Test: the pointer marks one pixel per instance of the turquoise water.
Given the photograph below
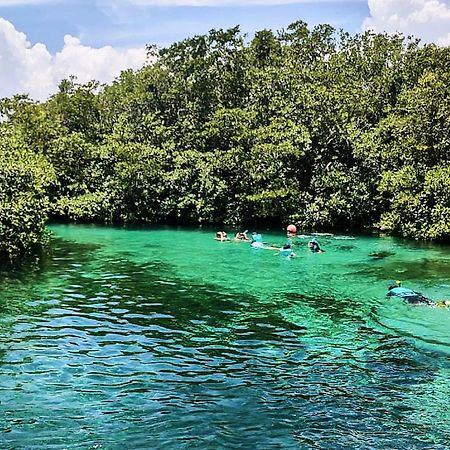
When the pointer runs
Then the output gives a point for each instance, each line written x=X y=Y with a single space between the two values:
x=168 y=339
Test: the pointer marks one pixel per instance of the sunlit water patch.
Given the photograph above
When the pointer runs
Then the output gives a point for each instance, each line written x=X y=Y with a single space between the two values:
x=166 y=338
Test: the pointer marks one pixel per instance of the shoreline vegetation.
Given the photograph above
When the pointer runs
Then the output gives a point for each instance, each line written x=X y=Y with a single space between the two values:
x=308 y=126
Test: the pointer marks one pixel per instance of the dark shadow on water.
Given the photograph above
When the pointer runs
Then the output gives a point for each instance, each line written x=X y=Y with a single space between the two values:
x=26 y=280
x=381 y=255
x=336 y=309
x=424 y=269
x=345 y=248
x=70 y=276
x=195 y=362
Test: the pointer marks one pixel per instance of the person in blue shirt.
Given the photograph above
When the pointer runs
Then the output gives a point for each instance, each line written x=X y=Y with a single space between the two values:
x=413 y=297
x=256 y=240
x=286 y=250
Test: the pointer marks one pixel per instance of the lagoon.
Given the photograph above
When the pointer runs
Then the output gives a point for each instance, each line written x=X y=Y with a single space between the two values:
x=164 y=338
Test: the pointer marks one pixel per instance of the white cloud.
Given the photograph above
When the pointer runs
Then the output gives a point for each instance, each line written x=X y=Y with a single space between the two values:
x=32 y=69
x=426 y=19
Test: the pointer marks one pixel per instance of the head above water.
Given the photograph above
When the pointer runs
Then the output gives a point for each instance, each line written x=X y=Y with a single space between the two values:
x=395 y=284
x=291 y=229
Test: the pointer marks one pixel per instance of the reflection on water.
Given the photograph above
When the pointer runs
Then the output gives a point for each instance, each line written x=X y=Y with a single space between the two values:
x=169 y=339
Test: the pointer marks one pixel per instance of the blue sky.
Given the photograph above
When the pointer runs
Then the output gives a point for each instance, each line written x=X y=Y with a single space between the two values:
x=43 y=41
x=128 y=25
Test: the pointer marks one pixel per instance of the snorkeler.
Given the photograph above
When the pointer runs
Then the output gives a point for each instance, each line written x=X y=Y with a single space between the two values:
x=314 y=246
x=413 y=297
x=286 y=250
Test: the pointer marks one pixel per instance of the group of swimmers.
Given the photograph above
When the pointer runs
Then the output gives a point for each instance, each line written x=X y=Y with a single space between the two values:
x=239 y=236
x=394 y=290
x=256 y=241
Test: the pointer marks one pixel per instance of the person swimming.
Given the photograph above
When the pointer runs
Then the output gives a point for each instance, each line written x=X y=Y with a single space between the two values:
x=286 y=250
x=241 y=236
x=256 y=240
x=413 y=297
x=221 y=236
x=314 y=246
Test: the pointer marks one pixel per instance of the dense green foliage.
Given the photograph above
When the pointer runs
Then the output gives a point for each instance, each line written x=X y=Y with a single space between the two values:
x=312 y=126
x=24 y=180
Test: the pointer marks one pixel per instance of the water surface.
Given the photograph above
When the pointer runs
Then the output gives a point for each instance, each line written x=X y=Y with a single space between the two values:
x=168 y=339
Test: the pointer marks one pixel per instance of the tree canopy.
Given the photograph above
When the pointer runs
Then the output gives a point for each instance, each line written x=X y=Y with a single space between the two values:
x=311 y=126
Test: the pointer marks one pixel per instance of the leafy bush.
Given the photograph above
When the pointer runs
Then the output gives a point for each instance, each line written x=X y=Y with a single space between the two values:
x=24 y=177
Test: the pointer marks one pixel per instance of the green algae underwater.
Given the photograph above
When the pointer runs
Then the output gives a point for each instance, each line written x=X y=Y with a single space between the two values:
x=164 y=338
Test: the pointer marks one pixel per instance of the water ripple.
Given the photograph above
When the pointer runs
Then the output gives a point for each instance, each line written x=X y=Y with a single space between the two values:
x=109 y=353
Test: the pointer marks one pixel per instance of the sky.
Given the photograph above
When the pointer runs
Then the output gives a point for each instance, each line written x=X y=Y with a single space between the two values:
x=45 y=41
